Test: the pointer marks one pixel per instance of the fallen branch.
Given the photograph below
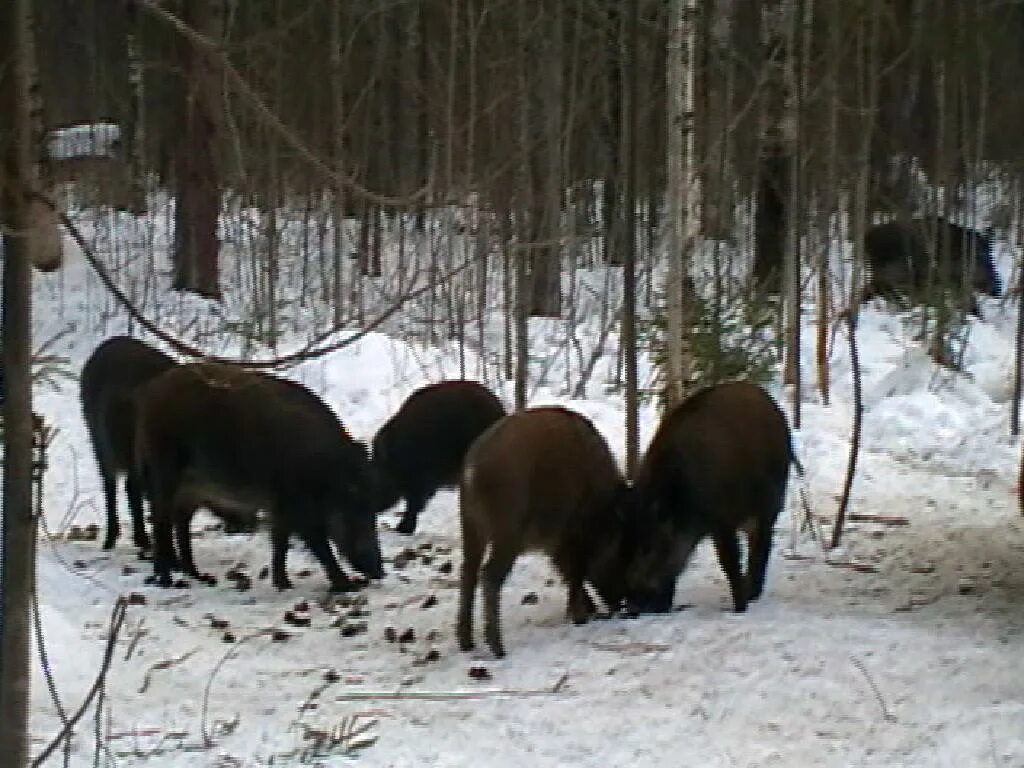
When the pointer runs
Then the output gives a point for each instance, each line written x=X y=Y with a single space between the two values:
x=116 y=621
x=207 y=739
x=452 y=695
x=632 y=648
x=893 y=520
x=165 y=664
x=886 y=714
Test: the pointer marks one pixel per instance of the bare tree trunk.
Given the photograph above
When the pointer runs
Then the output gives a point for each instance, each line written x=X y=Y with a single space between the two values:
x=47 y=252
x=796 y=84
x=1018 y=367
x=521 y=225
x=859 y=224
x=830 y=206
x=611 y=211
x=197 y=175
x=134 y=131
x=774 y=172
x=18 y=555
x=508 y=291
x=337 y=151
x=629 y=262
x=545 y=260
x=682 y=195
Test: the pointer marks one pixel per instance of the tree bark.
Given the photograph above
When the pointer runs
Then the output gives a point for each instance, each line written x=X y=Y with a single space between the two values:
x=18 y=556
x=774 y=170
x=629 y=262
x=683 y=193
x=197 y=176
x=545 y=260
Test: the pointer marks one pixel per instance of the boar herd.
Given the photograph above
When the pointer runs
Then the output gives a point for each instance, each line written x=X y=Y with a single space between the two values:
x=543 y=479
x=242 y=442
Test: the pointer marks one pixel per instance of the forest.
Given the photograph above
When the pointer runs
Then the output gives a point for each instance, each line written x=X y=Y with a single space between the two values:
x=605 y=208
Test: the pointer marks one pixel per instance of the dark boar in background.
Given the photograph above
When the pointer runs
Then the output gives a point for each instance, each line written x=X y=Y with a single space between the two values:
x=898 y=255
x=422 y=446
x=110 y=377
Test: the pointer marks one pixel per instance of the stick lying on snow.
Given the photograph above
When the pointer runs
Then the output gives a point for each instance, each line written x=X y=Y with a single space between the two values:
x=450 y=695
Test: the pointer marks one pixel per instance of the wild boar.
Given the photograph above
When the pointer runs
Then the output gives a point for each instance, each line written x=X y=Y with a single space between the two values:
x=109 y=380
x=898 y=255
x=542 y=479
x=422 y=446
x=718 y=463
x=241 y=438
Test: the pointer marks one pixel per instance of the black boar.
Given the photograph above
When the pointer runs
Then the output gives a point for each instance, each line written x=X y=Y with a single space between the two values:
x=718 y=462
x=109 y=380
x=115 y=369
x=421 y=447
x=898 y=256
x=214 y=432
x=540 y=479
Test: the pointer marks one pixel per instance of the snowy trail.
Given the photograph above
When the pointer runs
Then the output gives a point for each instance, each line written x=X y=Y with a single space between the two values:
x=931 y=634
x=833 y=667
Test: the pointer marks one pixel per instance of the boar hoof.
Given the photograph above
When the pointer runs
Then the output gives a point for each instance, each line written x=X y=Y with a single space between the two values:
x=161 y=580
x=108 y=543
x=345 y=584
x=498 y=650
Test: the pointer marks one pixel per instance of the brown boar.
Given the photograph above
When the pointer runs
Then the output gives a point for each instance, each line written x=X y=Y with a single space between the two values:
x=542 y=479
x=718 y=463
x=215 y=432
x=422 y=446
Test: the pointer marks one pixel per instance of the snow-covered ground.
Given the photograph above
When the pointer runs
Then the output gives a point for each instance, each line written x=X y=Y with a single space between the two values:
x=911 y=658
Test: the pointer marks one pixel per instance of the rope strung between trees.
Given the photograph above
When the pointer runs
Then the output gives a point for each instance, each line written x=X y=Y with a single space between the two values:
x=315 y=349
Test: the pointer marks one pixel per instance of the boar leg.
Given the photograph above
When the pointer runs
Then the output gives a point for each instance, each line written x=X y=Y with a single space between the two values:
x=728 y=548
x=759 y=545
x=183 y=538
x=318 y=544
x=163 y=550
x=472 y=556
x=415 y=501
x=110 y=494
x=496 y=570
x=133 y=489
x=279 y=535
x=579 y=606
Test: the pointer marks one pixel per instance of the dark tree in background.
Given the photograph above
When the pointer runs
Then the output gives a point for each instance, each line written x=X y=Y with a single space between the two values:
x=17 y=563
x=196 y=173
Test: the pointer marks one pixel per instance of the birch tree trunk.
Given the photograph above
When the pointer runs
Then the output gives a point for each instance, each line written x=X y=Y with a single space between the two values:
x=683 y=193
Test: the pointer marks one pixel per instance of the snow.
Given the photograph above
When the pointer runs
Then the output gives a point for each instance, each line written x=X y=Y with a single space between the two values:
x=911 y=660
x=84 y=140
